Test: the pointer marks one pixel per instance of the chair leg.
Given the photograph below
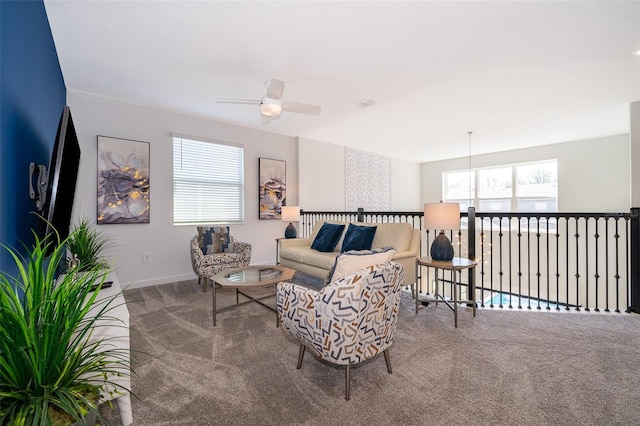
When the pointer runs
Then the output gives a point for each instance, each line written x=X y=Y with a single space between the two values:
x=387 y=359
x=347 y=383
x=204 y=284
x=300 y=356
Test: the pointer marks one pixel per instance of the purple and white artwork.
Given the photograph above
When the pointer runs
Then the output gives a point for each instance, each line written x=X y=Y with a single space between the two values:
x=123 y=181
x=273 y=188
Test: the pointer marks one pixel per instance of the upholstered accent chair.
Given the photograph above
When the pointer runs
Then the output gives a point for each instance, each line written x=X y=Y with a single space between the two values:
x=349 y=320
x=214 y=250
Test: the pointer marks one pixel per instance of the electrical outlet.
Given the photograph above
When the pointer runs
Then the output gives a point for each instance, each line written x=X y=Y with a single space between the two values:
x=146 y=257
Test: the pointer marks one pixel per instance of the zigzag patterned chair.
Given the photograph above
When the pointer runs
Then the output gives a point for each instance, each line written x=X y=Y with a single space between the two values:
x=349 y=321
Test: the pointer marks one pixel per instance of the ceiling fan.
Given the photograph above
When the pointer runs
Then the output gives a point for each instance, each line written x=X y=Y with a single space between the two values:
x=271 y=106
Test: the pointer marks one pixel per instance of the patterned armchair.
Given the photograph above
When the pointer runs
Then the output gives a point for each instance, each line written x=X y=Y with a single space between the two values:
x=349 y=321
x=213 y=250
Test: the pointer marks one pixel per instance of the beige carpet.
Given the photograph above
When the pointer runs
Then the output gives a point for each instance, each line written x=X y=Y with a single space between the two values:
x=502 y=367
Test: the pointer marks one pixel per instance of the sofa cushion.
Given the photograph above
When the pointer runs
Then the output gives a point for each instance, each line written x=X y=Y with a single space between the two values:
x=354 y=260
x=327 y=237
x=319 y=259
x=398 y=235
x=358 y=238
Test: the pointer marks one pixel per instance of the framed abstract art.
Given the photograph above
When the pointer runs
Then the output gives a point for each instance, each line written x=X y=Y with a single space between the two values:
x=272 y=187
x=123 y=181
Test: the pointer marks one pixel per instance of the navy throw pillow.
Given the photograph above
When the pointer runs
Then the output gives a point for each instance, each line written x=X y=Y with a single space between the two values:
x=327 y=237
x=358 y=237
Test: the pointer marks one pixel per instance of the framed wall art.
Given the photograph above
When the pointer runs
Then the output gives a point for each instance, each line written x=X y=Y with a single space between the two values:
x=272 y=187
x=123 y=181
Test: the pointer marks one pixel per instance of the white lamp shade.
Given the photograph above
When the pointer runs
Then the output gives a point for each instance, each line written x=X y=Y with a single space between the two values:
x=290 y=213
x=442 y=216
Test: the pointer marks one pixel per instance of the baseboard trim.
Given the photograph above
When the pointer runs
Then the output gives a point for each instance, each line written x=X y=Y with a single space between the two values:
x=130 y=285
x=157 y=281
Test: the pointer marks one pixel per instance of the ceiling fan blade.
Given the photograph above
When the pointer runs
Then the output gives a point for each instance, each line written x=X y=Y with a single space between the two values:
x=301 y=108
x=275 y=89
x=238 y=101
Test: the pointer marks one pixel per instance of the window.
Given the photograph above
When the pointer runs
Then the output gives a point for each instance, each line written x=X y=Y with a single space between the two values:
x=523 y=188
x=208 y=182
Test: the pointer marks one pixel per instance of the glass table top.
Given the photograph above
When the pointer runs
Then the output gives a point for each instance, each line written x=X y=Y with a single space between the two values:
x=254 y=275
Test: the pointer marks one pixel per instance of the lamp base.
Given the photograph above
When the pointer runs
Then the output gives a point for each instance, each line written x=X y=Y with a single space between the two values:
x=290 y=231
x=441 y=248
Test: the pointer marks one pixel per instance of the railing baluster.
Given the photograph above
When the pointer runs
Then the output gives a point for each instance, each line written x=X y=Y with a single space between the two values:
x=519 y=263
x=586 y=264
x=628 y=268
x=538 y=259
x=606 y=264
x=617 y=275
x=491 y=264
x=577 y=274
x=566 y=307
x=500 y=271
x=510 y=276
x=557 y=263
x=596 y=236
x=529 y=262
x=482 y=236
x=548 y=267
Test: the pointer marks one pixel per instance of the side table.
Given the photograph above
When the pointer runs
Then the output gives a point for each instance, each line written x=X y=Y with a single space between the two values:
x=457 y=264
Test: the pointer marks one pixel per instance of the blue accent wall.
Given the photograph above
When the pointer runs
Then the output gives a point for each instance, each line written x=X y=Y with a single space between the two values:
x=32 y=97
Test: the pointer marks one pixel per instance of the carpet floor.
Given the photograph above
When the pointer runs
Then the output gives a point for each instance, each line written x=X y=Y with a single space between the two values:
x=501 y=367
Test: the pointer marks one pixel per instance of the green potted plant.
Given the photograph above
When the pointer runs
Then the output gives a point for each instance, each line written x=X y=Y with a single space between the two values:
x=87 y=246
x=50 y=371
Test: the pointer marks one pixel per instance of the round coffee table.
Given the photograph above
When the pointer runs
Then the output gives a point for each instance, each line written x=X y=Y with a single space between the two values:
x=251 y=276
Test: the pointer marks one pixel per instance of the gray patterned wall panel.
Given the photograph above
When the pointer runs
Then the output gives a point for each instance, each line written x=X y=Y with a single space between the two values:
x=368 y=183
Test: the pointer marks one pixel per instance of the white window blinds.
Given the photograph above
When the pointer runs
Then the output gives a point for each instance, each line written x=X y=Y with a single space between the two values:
x=208 y=182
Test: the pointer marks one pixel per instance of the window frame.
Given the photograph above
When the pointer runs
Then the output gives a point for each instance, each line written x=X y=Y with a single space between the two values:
x=476 y=199
x=206 y=180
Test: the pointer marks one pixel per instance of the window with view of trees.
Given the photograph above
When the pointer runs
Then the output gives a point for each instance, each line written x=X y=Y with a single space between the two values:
x=521 y=188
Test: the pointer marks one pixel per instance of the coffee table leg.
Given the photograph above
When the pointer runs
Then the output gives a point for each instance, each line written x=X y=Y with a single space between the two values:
x=213 y=290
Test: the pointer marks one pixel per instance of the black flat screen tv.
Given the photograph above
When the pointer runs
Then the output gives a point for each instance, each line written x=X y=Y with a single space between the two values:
x=61 y=188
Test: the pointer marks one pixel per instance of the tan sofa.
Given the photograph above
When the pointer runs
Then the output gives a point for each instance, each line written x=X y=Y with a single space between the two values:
x=296 y=253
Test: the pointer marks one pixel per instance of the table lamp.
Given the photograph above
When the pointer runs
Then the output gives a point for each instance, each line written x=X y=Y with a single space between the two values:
x=290 y=214
x=441 y=216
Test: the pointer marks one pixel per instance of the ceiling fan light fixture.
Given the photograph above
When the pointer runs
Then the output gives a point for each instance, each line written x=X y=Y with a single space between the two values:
x=270 y=107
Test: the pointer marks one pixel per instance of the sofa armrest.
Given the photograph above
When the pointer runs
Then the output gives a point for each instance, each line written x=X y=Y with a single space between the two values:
x=414 y=248
x=404 y=255
x=294 y=242
x=407 y=258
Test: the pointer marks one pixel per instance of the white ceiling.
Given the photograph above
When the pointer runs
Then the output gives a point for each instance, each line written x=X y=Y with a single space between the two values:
x=515 y=73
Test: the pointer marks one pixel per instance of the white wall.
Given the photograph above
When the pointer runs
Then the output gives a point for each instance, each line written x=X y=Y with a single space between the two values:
x=323 y=179
x=169 y=244
x=322 y=175
x=405 y=186
x=593 y=174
